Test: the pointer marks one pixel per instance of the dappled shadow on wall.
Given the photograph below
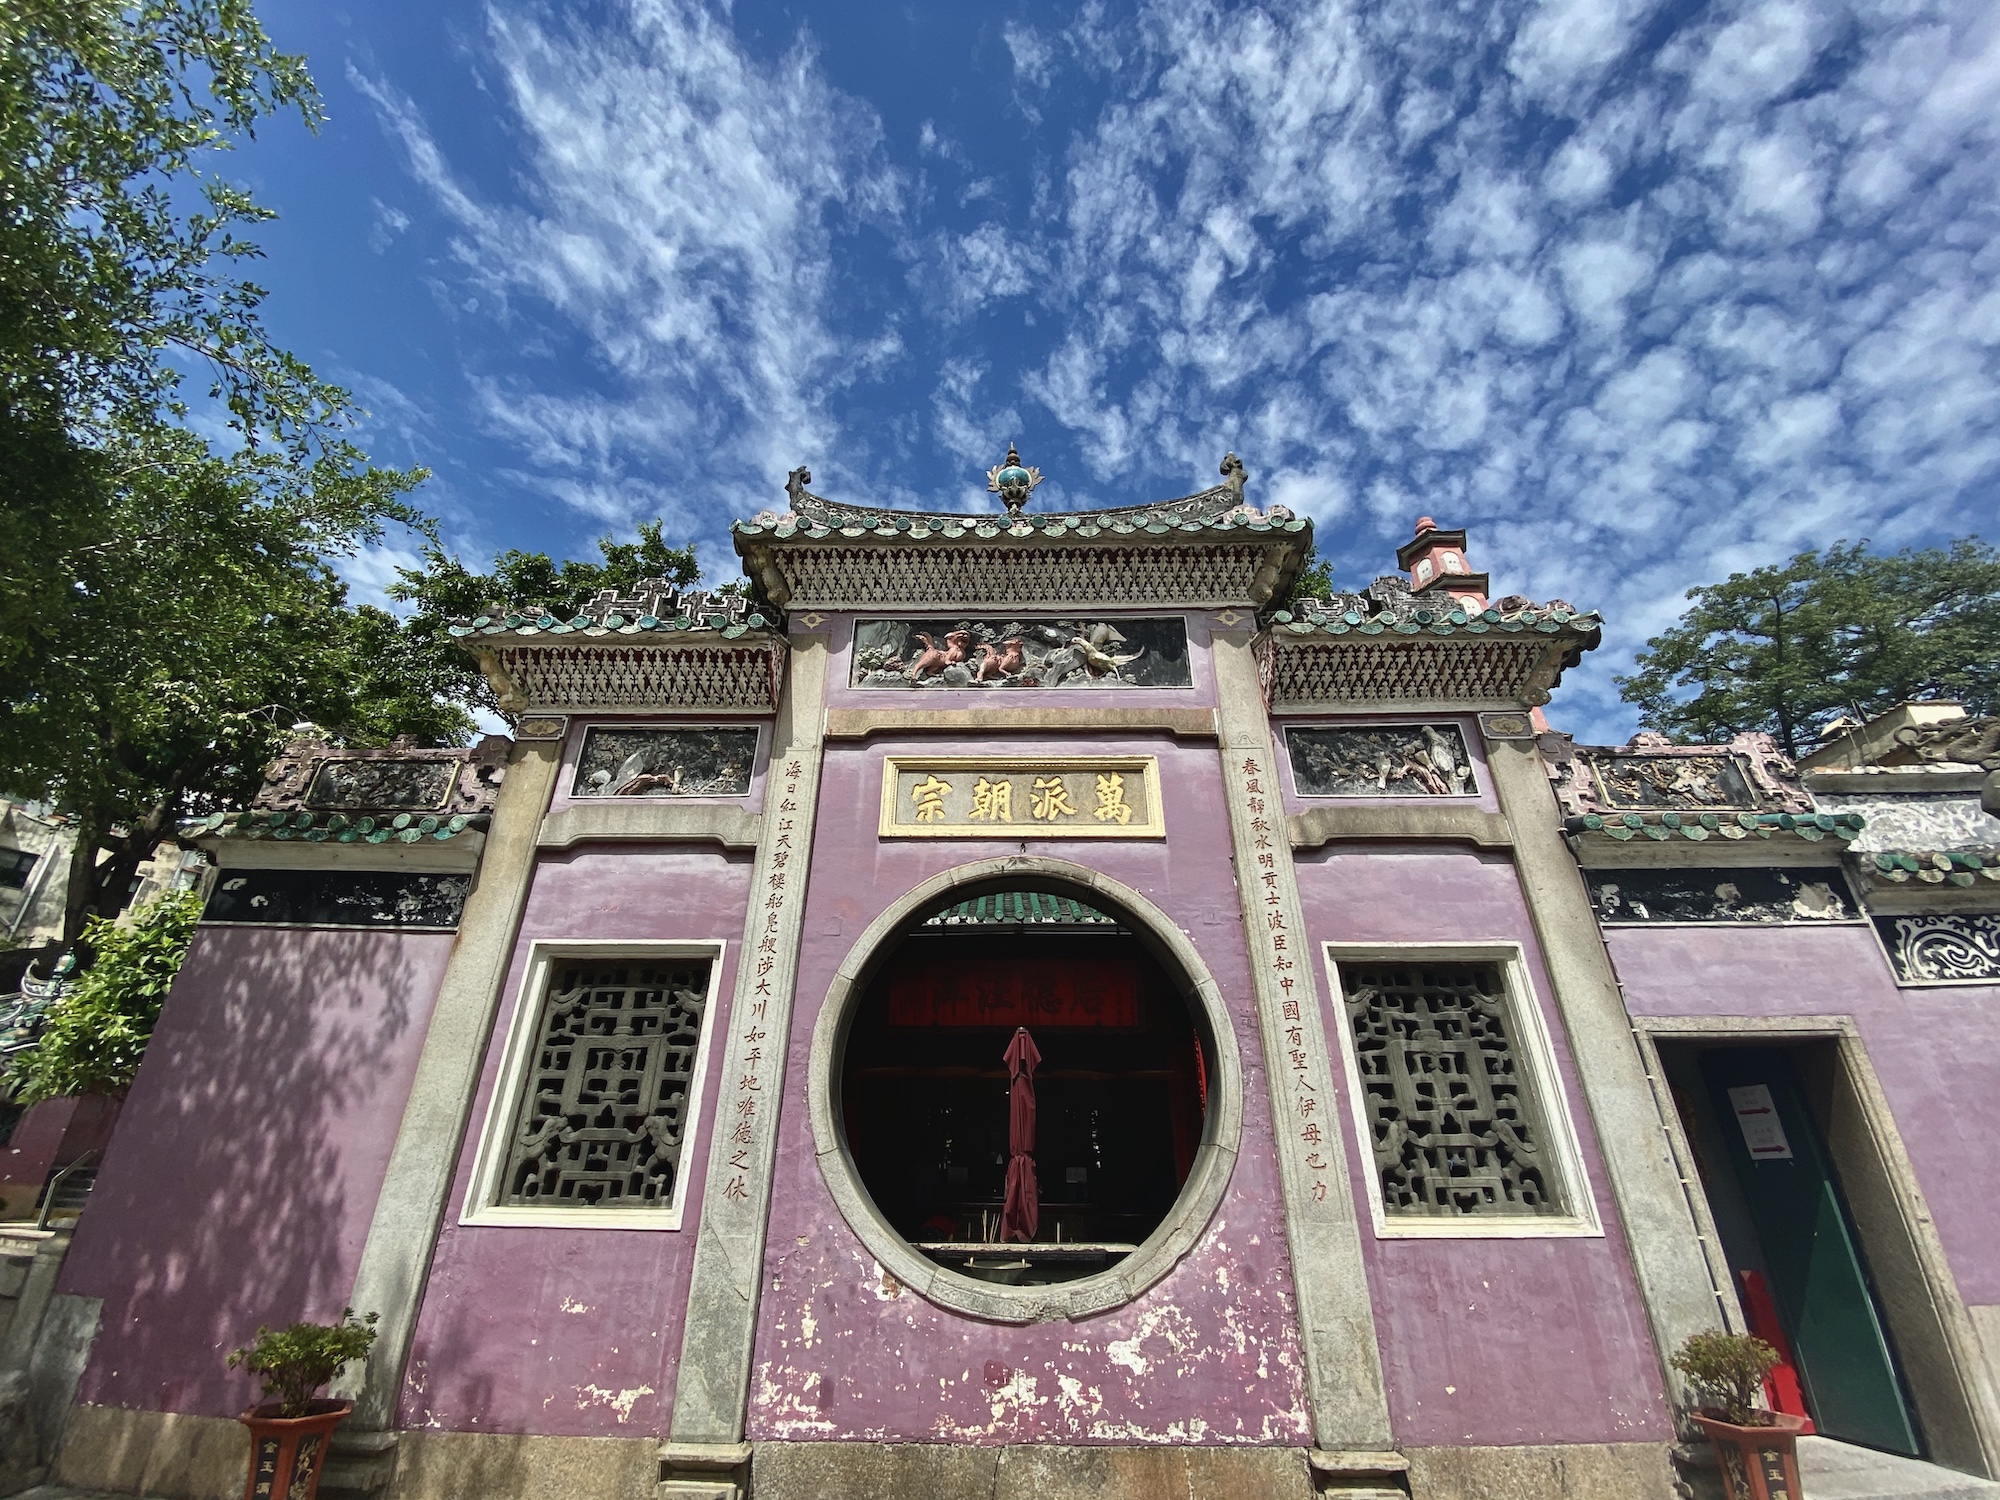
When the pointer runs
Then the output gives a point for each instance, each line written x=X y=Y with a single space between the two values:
x=240 y=1184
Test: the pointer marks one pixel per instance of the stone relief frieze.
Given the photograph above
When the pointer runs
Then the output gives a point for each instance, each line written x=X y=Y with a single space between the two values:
x=313 y=775
x=665 y=763
x=406 y=785
x=1728 y=894
x=338 y=898
x=1071 y=653
x=1942 y=948
x=1381 y=760
x=1748 y=774
x=1965 y=742
x=1681 y=782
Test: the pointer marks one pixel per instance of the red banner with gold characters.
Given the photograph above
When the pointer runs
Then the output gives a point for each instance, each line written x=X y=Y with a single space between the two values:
x=1031 y=992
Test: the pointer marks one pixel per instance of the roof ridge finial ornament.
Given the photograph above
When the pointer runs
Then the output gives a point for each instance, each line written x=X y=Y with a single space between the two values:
x=1011 y=482
x=1234 y=474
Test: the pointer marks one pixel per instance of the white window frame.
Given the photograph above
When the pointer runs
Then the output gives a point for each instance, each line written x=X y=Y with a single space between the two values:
x=1533 y=1054
x=482 y=1205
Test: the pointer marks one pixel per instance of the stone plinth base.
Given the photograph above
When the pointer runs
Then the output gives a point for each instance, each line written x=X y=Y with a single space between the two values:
x=204 y=1458
x=1567 y=1471
x=153 y=1453
x=926 y=1471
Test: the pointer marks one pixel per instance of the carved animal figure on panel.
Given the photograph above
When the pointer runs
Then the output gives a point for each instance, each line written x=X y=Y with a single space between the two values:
x=930 y=662
x=1099 y=662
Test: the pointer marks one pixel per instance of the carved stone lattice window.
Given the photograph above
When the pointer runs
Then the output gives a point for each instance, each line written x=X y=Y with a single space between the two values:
x=605 y=1108
x=1455 y=1126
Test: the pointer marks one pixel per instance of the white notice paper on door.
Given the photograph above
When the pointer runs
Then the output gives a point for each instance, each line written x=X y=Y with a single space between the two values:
x=1762 y=1132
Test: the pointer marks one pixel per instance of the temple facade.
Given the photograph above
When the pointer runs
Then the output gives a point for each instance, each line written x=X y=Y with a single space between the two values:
x=1403 y=1081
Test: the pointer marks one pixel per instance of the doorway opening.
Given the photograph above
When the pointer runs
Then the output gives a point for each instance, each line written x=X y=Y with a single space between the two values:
x=930 y=1077
x=1765 y=1126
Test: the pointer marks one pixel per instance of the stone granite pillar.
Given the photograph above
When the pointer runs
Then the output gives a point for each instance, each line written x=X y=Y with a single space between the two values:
x=711 y=1389
x=1337 y=1322
x=395 y=1262
x=1660 y=1231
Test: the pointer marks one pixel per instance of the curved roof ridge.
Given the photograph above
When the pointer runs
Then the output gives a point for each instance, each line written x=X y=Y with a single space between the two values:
x=1205 y=505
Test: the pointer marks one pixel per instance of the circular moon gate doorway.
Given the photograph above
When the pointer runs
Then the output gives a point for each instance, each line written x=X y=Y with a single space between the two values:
x=1044 y=1164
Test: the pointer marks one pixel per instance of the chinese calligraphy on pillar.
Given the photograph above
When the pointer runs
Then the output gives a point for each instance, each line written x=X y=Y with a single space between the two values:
x=746 y=1091
x=982 y=797
x=1279 y=949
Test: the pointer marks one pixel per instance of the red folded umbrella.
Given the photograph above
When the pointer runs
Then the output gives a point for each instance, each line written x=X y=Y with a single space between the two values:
x=1021 y=1214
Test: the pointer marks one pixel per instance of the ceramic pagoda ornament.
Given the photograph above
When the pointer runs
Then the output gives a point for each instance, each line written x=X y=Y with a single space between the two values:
x=1011 y=482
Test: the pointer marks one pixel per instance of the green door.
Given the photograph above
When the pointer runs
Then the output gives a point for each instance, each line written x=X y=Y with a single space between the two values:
x=1816 y=1274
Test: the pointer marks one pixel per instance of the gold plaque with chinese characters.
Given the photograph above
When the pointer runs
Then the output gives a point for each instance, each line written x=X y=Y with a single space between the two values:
x=1022 y=797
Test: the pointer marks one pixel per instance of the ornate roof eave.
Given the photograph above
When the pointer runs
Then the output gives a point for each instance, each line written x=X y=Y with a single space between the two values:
x=1963 y=868
x=1389 y=645
x=813 y=511
x=1208 y=550
x=607 y=669
x=1480 y=660
x=1031 y=569
x=1693 y=827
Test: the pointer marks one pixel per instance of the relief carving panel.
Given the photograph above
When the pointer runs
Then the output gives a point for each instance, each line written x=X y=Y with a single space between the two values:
x=1021 y=654
x=338 y=898
x=1921 y=820
x=1746 y=894
x=665 y=763
x=1942 y=948
x=1673 y=781
x=385 y=783
x=1383 y=760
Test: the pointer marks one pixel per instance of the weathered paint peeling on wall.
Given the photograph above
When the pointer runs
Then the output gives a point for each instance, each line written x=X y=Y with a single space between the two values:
x=620 y=1402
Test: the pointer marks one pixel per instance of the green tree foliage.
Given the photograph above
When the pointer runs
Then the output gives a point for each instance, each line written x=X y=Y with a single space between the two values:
x=1788 y=649
x=1315 y=580
x=95 y=1035
x=444 y=589
x=167 y=605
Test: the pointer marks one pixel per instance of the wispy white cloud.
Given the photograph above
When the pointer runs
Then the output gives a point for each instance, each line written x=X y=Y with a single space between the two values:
x=1736 y=301
x=675 y=212
x=1640 y=294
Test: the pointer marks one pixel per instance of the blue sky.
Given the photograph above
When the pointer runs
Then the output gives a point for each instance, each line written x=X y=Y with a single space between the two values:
x=1640 y=293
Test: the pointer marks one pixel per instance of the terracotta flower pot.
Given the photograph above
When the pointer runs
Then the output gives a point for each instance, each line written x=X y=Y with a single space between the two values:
x=286 y=1452
x=1758 y=1463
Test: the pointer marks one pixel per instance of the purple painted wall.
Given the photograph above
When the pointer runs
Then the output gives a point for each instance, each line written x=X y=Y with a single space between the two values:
x=1488 y=1340
x=1934 y=1050
x=575 y=1332
x=239 y=1185
x=1208 y=1355
x=51 y=1135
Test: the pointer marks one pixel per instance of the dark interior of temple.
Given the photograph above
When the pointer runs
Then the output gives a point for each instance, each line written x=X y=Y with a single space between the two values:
x=1120 y=1093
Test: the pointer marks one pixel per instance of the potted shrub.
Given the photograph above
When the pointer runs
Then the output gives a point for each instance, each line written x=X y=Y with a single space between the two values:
x=1757 y=1448
x=290 y=1428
